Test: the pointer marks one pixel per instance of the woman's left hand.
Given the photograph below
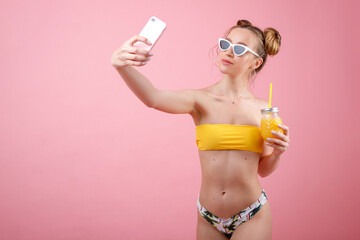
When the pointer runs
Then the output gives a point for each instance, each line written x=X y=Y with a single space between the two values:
x=280 y=145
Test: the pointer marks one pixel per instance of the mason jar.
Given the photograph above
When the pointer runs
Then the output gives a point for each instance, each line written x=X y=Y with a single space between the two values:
x=269 y=121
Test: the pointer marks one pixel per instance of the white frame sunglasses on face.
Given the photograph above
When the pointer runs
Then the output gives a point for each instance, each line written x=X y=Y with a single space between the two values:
x=241 y=49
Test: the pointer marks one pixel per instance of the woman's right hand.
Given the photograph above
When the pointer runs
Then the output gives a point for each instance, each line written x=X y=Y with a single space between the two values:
x=128 y=55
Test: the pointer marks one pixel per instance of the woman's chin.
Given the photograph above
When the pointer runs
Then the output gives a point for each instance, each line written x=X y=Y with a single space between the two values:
x=224 y=70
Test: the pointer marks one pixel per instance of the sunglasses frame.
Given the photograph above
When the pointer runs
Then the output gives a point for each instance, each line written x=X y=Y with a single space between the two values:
x=233 y=45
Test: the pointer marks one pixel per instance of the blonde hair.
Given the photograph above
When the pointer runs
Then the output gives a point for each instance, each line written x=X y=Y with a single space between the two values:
x=268 y=43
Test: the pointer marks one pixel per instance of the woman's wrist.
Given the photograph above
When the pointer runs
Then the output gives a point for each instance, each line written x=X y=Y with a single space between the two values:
x=276 y=153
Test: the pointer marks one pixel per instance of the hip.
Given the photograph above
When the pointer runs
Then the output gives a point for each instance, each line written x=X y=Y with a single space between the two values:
x=225 y=202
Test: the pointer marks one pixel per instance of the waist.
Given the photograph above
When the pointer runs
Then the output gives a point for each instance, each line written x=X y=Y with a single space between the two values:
x=226 y=169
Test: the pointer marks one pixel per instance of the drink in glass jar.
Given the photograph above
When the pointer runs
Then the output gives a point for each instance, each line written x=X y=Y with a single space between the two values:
x=269 y=121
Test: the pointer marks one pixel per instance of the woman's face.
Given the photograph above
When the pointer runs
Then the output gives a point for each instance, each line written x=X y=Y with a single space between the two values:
x=239 y=64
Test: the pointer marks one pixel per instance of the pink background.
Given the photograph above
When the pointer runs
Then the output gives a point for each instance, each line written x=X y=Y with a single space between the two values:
x=82 y=158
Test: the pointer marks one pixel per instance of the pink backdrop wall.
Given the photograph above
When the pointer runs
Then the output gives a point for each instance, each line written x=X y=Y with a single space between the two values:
x=82 y=158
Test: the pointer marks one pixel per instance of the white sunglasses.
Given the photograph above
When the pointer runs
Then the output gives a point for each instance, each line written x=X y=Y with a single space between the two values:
x=238 y=49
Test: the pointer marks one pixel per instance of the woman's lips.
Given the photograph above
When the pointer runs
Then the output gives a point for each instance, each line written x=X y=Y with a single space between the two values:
x=226 y=62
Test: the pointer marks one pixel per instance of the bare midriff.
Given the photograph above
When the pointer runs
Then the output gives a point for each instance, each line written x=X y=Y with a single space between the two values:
x=229 y=181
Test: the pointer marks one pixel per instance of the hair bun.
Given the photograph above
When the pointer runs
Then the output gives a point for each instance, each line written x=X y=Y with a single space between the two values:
x=272 y=41
x=244 y=23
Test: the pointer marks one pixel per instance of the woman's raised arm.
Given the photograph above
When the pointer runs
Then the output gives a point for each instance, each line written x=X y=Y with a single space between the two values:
x=125 y=57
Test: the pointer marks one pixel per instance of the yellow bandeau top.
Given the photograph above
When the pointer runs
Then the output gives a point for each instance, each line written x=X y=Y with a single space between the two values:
x=228 y=136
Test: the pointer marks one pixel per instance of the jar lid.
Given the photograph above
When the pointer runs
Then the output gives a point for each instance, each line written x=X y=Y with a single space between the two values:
x=269 y=110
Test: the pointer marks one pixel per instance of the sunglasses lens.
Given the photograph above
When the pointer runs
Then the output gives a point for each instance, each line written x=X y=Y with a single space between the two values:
x=224 y=45
x=239 y=49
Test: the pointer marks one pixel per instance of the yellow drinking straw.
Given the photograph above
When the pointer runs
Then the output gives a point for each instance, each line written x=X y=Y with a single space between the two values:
x=270 y=95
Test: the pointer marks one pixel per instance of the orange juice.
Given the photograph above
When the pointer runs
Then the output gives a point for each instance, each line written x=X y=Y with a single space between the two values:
x=269 y=121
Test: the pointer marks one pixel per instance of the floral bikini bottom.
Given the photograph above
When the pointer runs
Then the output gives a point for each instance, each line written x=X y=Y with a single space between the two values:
x=228 y=226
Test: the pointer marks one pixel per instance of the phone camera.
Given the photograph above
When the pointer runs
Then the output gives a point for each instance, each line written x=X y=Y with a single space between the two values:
x=153 y=19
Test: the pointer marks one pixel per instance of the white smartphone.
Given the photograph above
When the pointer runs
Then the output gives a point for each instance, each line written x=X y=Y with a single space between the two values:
x=152 y=31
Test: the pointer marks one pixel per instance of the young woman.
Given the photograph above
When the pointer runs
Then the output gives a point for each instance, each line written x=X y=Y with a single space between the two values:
x=227 y=118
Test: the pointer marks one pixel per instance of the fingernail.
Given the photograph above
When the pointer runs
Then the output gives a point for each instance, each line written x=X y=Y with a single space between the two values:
x=272 y=131
x=151 y=54
x=279 y=125
x=148 y=41
x=268 y=139
x=147 y=59
x=143 y=63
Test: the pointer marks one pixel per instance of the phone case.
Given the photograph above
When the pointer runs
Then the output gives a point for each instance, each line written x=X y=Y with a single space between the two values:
x=152 y=31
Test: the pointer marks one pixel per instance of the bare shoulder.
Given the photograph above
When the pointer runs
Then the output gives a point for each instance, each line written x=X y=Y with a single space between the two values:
x=201 y=99
x=262 y=103
x=196 y=93
x=192 y=91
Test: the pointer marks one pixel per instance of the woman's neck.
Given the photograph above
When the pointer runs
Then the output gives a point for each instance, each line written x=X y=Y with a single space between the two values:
x=234 y=88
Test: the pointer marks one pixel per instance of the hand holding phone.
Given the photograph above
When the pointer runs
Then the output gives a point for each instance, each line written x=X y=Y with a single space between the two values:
x=152 y=31
x=135 y=51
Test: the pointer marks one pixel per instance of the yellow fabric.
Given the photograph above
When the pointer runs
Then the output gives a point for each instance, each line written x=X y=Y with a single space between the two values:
x=227 y=136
